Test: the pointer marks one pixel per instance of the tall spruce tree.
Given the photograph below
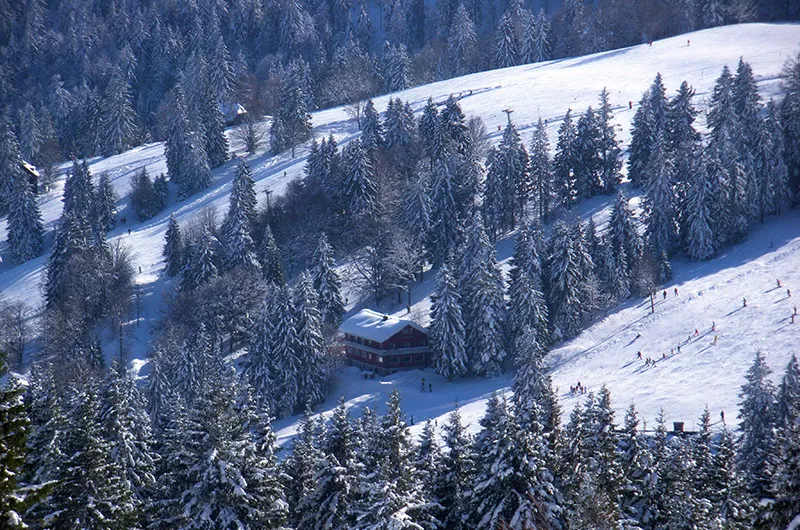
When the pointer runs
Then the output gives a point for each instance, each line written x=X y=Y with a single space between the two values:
x=328 y=284
x=447 y=328
x=25 y=227
x=565 y=163
x=756 y=413
x=173 y=247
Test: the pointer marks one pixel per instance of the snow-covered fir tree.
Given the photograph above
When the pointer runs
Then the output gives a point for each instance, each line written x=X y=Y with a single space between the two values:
x=507 y=48
x=328 y=284
x=447 y=334
x=359 y=181
x=642 y=137
x=756 y=413
x=270 y=258
x=565 y=163
x=200 y=261
x=25 y=227
x=173 y=247
x=462 y=42
x=541 y=176
x=372 y=133
x=661 y=201
x=311 y=347
x=105 y=203
x=118 y=119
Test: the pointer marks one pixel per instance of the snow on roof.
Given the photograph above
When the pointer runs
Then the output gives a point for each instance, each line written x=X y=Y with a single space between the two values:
x=30 y=168
x=374 y=326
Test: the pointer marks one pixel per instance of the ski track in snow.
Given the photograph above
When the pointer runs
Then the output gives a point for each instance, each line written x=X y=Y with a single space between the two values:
x=683 y=384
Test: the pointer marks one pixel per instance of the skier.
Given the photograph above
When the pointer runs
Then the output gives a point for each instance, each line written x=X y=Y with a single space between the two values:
x=722 y=416
x=672 y=351
x=779 y=282
x=688 y=42
x=696 y=332
x=788 y=293
x=630 y=104
x=679 y=348
x=665 y=295
x=140 y=269
x=744 y=302
x=129 y=231
x=422 y=388
x=716 y=338
x=638 y=354
x=676 y=291
x=664 y=355
x=795 y=310
x=713 y=326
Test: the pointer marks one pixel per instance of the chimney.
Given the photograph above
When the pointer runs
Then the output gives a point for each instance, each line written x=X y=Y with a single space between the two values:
x=677 y=426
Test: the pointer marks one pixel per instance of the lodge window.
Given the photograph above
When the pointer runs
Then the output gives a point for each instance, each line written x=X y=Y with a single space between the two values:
x=418 y=358
x=407 y=359
x=407 y=344
x=394 y=360
x=407 y=331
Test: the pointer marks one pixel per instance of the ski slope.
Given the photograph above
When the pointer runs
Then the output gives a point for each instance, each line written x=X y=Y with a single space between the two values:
x=605 y=353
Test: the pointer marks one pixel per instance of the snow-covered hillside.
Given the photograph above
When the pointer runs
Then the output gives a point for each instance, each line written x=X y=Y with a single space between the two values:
x=701 y=374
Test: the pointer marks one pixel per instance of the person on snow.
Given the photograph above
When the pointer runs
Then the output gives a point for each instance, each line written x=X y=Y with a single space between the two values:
x=665 y=295
x=744 y=302
x=676 y=291
x=713 y=326
x=779 y=282
x=422 y=387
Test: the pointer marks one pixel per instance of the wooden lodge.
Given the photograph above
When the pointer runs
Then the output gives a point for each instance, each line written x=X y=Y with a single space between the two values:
x=383 y=344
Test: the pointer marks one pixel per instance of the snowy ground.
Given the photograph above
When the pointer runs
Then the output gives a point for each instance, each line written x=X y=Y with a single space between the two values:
x=683 y=384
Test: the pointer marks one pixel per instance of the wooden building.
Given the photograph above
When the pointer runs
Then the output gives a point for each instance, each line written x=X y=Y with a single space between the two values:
x=377 y=342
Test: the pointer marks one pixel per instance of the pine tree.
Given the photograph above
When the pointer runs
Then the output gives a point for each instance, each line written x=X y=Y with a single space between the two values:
x=390 y=497
x=360 y=187
x=661 y=201
x=239 y=249
x=447 y=335
x=278 y=136
x=512 y=164
x=624 y=234
x=541 y=173
x=397 y=68
x=643 y=134
x=542 y=38
x=15 y=495
x=78 y=193
x=215 y=142
x=638 y=503
x=200 y=261
x=513 y=486
x=105 y=203
x=197 y=173
x=328 y=284
x=684 y=145
x=372 y=133
x=588 y=176
x=311 y=347
x=93 y=491
x=784 y=466
x=609 y=150
x=461 y=43
x=700 y=236
x=568 y=282
x=565 y=163
x=444 y=233
x=126 y=426
x=270 y=258
x=284 y=364
x=176 y=146
x=453 y=484
x=10 y=164
x=25 y=227
x=118 y=119
x=430 y=132
x=256 y=367
x=300 y=465
x=506 y=46
x=173 y=247
x=454 y=128
x=756 y=425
